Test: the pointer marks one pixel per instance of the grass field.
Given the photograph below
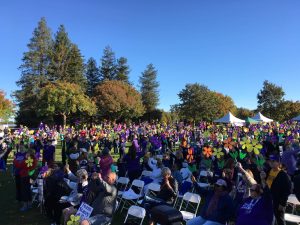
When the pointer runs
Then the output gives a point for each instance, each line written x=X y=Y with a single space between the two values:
x=9 y=207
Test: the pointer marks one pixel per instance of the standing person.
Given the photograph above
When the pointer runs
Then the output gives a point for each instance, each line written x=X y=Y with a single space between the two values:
x=49 y=153
x=280 y=185
x=132 y=159
x=105 y=163
x=25 y=166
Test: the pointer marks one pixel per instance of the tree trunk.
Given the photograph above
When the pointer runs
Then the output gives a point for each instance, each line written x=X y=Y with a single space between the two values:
x=64 y=120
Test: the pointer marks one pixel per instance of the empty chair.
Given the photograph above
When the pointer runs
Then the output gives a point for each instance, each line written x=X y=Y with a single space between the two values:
x=192 y=202
x=122 y=183
x=146 y=173
x=132 y=195
x=136 y=211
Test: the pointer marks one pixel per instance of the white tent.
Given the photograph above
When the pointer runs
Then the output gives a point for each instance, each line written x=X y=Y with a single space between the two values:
x=229 y=118
x=261 y=118
x=297 y=118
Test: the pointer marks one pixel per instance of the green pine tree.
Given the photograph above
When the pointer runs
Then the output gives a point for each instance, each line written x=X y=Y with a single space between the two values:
x=123 y=70
x=35 y=63
x=149 y=88
x=108 y=65
x=92 y=76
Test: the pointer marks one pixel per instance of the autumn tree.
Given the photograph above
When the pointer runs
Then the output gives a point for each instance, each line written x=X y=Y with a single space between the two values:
x=63 y=98
x=6 y=107
x=243 y=113
x=287 y=110
x=118 y=100
x=225 y=104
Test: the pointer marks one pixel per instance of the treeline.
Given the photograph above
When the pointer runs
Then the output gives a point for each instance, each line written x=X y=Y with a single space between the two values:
x=57 y=85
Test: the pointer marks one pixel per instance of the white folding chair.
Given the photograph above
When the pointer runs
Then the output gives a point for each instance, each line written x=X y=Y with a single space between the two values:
x=122 y=183
x=293 y=202
x=130 y=197
x=192 y=201
x=136 y=211
x=146 y=173
x=153 y=188
x=291 y=218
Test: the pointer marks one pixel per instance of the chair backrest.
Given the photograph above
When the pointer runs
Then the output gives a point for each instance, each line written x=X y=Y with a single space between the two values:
x=137 y=211
x=139 y=184
x=146 y=173
x=185 y=187
x=203 y=173
x=191 y=198
x=123 y=180
x=153 y=187
x=292 y=199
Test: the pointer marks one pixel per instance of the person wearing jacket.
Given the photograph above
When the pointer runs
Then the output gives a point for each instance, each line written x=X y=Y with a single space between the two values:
x=280 y=185
x=218 y=207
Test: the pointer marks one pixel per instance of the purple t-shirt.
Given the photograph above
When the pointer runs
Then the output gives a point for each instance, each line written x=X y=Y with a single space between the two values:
x=49 y=152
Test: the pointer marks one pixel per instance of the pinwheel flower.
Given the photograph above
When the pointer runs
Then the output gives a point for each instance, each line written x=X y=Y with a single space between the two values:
x=218 y=152
x=29 y=162
x=254 y=146
x=74 y=220
x=207 y=151
x=245 y=143
x=228 y=143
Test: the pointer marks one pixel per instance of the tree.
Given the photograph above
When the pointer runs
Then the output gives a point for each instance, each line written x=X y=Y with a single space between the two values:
x=149 y=88
x=108 y=65
x=225 y=104
x=287 y=110
x=66 y=60
x=269 y=98
x=6 y=107
x=63 y=98
x=197 y=103
x=122 y=70
x=92 y=76
x=118 y=100
x=35 y=63
x=243 y=113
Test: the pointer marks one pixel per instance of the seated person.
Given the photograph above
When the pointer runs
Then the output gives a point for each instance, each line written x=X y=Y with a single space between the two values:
x=105 y=202
x=167 y=193
x=218 y=206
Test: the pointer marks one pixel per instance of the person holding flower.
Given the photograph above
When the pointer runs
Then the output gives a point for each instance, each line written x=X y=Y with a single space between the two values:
x=25 y=166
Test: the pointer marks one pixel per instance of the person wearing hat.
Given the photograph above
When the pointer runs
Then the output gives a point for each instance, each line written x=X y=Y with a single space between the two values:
x=218 y=207
x=279 y=183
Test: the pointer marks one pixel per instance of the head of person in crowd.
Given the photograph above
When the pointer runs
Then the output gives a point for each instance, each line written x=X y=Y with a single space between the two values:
x=165 y=173
x=256 y=191
x=274 y=161
x=220 y=186
x=82 y=175
x=111 y=178
x=105 y=152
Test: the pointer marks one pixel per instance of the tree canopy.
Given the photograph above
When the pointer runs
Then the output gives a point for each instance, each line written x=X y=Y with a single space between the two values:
x=6 y=107
x=118 y=100
x=63 y=98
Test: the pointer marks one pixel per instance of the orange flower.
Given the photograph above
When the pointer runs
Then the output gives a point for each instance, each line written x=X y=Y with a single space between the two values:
x=228 y=143
x=207 y=151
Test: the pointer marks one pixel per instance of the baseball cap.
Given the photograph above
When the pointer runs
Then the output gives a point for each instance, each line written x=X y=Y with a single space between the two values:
x=221 y=182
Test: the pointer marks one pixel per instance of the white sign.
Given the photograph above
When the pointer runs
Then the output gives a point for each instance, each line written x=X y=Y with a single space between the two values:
x=84 y=211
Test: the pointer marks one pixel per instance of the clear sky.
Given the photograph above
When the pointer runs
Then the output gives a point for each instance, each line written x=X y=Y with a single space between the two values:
x=231 y=46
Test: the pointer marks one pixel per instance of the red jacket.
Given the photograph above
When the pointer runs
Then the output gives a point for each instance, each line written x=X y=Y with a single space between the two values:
x=24 y=169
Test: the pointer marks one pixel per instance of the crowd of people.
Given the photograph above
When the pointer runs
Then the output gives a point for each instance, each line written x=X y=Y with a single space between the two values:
x=251 y=169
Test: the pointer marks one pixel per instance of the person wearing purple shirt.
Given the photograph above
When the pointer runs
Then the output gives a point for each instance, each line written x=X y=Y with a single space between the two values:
x=48 y=153
x=289 y=159
x=258 y=208
x=132 y=160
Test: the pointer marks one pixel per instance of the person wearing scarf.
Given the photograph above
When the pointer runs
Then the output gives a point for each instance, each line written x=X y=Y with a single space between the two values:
x=218 y=206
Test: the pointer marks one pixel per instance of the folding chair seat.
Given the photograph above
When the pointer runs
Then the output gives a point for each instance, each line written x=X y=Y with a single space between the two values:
x=293 y=202
x=292 y=218
x=122 y=183
x=130 y=197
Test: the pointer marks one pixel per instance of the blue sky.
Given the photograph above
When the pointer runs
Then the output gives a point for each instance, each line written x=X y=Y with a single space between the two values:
x=231 y=46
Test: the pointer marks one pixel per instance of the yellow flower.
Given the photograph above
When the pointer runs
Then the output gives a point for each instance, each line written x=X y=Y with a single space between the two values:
x=74 y=220
x=29 y=162
x=218 y=152
x=254 y=146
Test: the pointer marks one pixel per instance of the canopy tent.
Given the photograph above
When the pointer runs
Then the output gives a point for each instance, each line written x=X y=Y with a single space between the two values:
x=229 y=118
x=261 y=118
x=297 y=118
x=251 y=121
